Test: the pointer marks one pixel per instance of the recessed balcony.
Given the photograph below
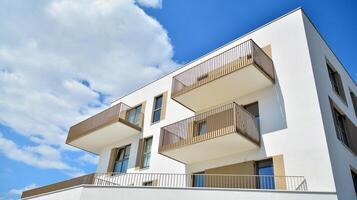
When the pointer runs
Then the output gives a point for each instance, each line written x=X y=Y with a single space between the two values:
x=222 y=131
x=113 y=124
x=241 y=70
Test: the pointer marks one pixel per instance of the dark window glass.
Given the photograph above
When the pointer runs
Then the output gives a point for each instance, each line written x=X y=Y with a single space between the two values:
x=134 y=115
x=121 y=162
x=157 y=109
x=354 y=178
x=198 y=179
x=332 y=74
x=202 y=128
x=147 y=152
x=265 y=170
x=354 y=102
x=340 y=127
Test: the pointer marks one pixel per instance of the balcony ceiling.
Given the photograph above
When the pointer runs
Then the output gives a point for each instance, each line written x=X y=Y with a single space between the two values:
x=238 y=83
x=211 y=149
x=96 y=140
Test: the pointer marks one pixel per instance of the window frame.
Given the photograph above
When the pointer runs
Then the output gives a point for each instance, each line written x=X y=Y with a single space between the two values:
x=136 y=115
x=261 y=181
x=336 y=81
x=354 y=178
x=340 y=127
x=145 y=154
x=118 y=159
x=333 y=80
x=354 y=101
x=198 y=127
x=159 y=109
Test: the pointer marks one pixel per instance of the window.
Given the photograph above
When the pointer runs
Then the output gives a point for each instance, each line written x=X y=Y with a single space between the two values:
x=198 y=179
x=340 y=127
x=265 y=170
x=147 y=152
x=133 y=115
x=157 y=109
x=354 y=178
x=354 y=102
x=201 y=128
x=122 y=159
x=253 y=108
x=335 y=80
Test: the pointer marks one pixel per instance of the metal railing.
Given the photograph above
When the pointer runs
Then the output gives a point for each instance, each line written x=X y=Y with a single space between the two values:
x=288 y=183
x=240 y=56
x=116 y=113
x=217 y=122
x=162 y=180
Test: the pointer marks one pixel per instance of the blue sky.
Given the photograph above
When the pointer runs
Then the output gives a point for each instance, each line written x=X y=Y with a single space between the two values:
x=62 y=61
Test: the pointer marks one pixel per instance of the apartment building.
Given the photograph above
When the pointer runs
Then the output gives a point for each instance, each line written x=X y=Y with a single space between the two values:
x=270 y=115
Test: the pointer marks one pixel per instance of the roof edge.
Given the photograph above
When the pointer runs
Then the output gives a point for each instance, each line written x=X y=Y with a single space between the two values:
x=210 y=52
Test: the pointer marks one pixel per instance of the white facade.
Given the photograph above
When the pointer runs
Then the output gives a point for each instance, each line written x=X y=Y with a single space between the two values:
x=295 y=121
x=129 y=193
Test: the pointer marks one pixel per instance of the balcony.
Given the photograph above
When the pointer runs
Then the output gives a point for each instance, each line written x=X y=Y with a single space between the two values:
x=113 y=124
x=236 y=72
x=165 y=180
x=222 y=131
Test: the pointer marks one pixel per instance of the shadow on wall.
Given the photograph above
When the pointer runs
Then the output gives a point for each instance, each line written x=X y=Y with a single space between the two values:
x=273 y=116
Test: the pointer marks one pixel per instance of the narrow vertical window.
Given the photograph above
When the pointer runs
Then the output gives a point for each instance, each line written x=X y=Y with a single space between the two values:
x=265 y=170
x=354 y=178
x=354 y=102
x=147 y=152
x=340 y=127
x=157 y=109
x=336 y=81
x=133 y=115
x=333 y=79
x=122 y=160
x=198 y=179
x=202 y=127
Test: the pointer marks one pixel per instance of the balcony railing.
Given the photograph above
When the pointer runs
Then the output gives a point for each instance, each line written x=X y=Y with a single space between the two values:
x=220 y=121
x=240 y=56
x=165 y=180
x=116 y=113
x=86 y=179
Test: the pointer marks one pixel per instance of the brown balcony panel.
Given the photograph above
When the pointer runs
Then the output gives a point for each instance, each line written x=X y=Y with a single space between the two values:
x=86 y=179
x=222 y=131
x=104 y=128
x=238 y=71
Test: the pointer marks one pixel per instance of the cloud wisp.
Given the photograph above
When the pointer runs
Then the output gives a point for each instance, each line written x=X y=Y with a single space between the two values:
x=62 y=61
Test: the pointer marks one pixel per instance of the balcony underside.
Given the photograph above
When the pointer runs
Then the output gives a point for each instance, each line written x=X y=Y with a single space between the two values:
x=109 y=134
x=221 y=146
x=223 y=89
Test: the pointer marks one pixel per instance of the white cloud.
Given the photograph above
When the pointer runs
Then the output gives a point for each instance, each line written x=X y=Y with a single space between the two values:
x=41 y=156
x=151 y=3
x=19 y=191
x=57 y=58
x=88 y=158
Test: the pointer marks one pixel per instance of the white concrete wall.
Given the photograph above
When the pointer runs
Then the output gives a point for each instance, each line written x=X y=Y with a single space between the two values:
x=130 y=193
x=290 y=112
x=291 y=122
x=66 y=194
x=342 y=158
